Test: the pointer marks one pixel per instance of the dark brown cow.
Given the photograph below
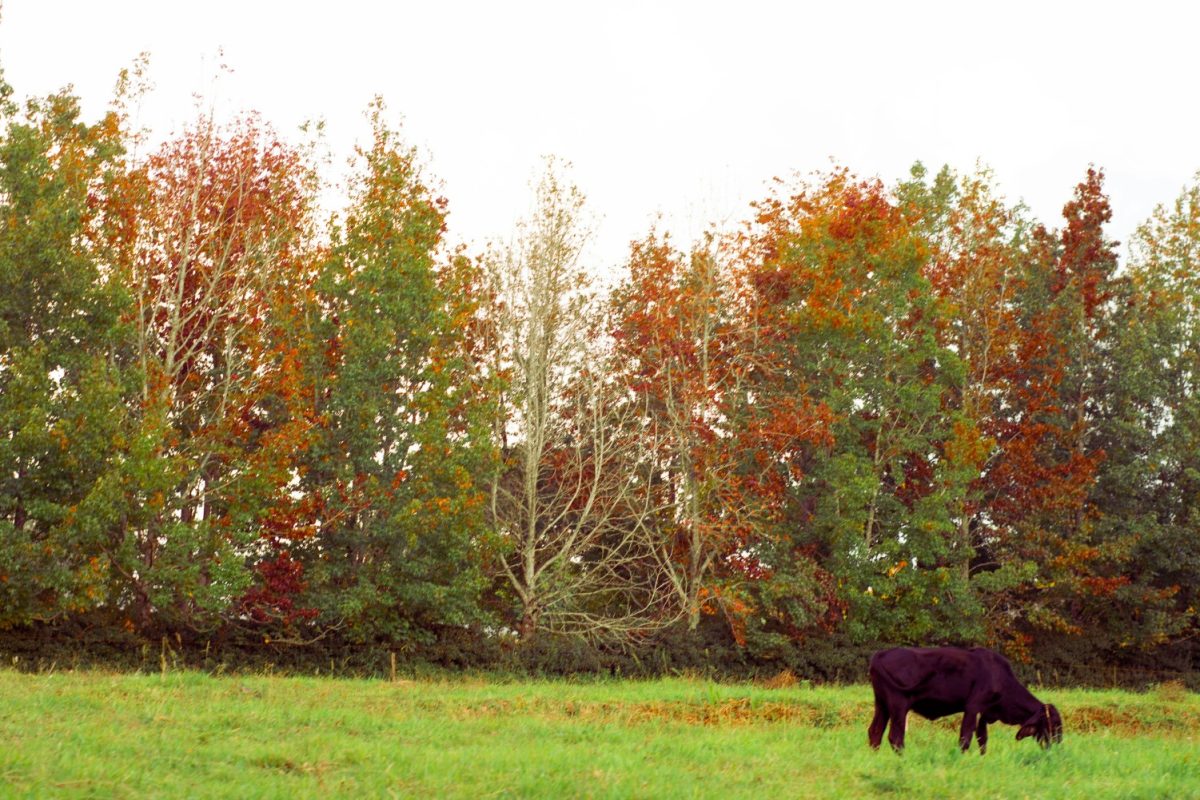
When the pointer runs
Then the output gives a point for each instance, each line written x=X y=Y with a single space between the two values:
x=938 y=681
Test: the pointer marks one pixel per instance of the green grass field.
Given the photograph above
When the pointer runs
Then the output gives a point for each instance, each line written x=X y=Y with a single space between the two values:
x=192 y=735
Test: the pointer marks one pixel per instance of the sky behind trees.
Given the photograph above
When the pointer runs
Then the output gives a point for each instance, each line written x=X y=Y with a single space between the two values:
x=684 y=109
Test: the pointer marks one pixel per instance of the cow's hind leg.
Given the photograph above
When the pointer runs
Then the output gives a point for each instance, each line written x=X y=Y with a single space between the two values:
x=898 y=717
x=981 y=736
x=879 y=723
x=970 y=718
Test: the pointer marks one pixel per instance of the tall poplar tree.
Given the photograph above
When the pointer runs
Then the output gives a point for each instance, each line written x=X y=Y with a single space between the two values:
x=402 y=444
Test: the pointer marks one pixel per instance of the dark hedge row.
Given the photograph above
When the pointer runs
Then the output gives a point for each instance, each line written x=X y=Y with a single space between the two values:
x=709 y=652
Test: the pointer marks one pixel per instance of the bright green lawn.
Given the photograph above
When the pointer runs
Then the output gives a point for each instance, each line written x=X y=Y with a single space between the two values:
x=191 y=735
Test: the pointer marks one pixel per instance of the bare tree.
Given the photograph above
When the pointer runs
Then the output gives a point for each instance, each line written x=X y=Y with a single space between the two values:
x=565 y=502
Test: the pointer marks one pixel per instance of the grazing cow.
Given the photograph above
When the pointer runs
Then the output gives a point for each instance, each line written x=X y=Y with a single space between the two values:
x=939 y=681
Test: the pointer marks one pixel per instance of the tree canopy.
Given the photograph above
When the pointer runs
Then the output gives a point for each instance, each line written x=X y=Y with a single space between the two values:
x=874 y=412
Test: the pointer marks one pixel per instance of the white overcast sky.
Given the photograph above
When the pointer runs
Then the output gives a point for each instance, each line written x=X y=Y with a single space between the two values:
x=684 y=109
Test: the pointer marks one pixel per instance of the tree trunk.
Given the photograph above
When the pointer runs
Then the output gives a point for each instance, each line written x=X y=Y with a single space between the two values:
x=529 y=623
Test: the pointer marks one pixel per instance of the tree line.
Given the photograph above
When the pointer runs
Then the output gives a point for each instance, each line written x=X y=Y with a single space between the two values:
x=873 y=412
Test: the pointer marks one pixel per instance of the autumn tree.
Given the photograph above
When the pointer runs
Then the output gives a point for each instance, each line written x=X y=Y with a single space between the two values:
x=1056 y=383
x=694 y=349
x=216 y=225
x=671 y=318
x=842 y=261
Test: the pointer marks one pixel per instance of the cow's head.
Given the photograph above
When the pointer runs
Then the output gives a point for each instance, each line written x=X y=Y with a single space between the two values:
x=1046 y=726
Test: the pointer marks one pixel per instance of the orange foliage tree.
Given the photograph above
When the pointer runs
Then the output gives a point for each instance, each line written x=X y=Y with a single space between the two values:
x=726 y=442
x=217 y=232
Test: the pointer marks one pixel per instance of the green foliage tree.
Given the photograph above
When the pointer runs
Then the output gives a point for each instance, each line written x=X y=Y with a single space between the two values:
x=62 y=398
x=403 y=439
x=1149 y=486
x=977 y=267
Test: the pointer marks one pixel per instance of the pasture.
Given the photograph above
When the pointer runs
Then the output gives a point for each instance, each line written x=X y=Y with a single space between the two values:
x=92 y=734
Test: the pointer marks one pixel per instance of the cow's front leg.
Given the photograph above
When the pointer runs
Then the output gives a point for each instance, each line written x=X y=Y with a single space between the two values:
x=981 y=736
x=970 y=717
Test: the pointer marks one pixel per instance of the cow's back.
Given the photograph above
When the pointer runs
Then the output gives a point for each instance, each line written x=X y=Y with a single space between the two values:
x=927 y=671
